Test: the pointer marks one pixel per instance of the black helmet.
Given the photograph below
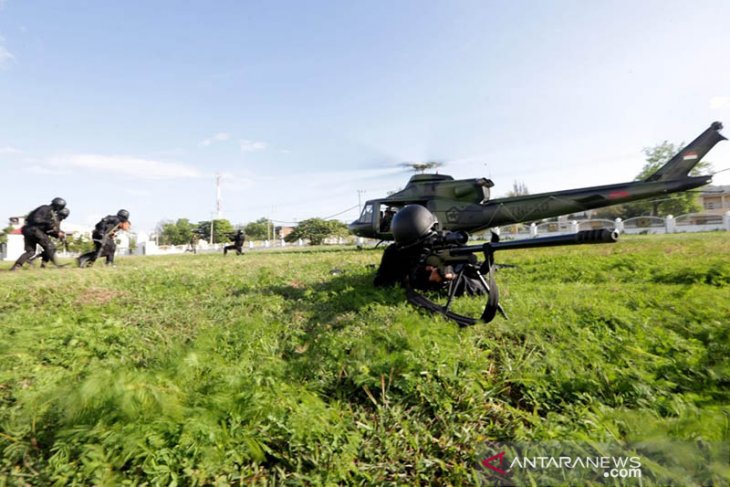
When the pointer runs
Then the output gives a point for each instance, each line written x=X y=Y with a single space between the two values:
x=123 y=215
x=63 y=213
x=58 y=203
x=411 y=224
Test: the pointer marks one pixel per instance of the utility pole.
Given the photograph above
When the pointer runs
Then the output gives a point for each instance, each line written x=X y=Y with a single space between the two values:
x=218 y=199
x=360 y=192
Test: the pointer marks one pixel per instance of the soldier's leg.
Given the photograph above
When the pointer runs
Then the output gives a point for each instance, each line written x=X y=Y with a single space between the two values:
x=38 y=255
x=109 y=249
x=30 y=239
x=49 y=250
x=89 y=257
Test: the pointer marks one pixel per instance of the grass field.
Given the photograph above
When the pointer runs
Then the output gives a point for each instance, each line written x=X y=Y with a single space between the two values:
x=271 y=368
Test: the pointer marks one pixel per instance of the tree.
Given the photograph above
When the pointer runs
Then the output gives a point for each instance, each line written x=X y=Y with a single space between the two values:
x=672 y=204
x=178 y=233
x=4 y=234
x=258 y=230
x=79 y=243
x=316 y=230
x=222 y=230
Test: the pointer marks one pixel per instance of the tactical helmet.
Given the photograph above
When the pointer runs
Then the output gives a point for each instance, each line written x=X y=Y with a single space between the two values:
x=63 y=213
x=411 y=224
x=123 y=215
x=58 y=203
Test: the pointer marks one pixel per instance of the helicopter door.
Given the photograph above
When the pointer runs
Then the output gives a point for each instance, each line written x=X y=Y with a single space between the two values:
x=386 y=214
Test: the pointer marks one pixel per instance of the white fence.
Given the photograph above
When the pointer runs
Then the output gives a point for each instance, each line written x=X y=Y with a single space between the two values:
x=694 y=222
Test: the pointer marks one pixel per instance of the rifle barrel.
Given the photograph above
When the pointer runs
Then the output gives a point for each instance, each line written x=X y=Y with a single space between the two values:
x=582 y=237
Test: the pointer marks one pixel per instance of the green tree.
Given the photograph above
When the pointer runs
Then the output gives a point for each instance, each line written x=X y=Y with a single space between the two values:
x=4 y=234
x=222 y=230
x=672 y=204
x=79 y=243
x=177 y=233
x=316 y=230
x=258 y=230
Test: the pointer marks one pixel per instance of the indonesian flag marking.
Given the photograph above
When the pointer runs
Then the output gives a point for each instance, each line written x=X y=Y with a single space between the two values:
x=689 y=156
x=614 y=195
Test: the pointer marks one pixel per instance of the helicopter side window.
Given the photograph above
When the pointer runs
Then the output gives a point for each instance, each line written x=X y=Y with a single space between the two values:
x=367 y=214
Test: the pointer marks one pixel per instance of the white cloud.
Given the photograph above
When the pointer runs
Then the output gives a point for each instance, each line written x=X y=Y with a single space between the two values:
x=133 y=167
x=251 y=145
x=138 y=192
x=719 y=102
x=237 y=182
x=45 y=171
x=9 y=151
x=219 y=137
x=6 y=57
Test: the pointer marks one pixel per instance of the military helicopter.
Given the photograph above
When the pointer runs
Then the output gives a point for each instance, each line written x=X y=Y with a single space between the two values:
x=465 y=204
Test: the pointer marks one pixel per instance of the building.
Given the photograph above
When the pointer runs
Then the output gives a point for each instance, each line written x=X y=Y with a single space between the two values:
x=282 y=232
x=715 y=199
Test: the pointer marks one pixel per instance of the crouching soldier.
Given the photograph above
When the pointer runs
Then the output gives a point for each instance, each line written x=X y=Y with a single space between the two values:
x=103 y=236
x=237 y=245
x=41 y=224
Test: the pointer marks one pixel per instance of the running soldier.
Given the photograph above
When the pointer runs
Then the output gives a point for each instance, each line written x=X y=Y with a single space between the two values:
x=237 y=245
x=41 y=223
x=103 y=235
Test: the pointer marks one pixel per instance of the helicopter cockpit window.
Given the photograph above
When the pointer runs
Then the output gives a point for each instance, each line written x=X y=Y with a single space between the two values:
x=367 y=214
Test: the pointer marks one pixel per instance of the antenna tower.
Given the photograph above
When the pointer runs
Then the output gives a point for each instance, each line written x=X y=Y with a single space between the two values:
x=218 y=199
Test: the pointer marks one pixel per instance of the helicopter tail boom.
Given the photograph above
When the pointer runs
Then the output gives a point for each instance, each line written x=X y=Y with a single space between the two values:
x=681 y=164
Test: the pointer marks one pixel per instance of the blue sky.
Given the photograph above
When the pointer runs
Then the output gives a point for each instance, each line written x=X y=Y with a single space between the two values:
x=138 y=105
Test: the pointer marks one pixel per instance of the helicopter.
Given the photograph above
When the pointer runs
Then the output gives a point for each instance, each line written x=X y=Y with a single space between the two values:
x=465 y=204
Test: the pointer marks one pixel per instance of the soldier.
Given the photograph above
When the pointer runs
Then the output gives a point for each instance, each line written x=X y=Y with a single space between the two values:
x=237 y=245
x=63 y=213
x=41 y=223
x=103 y=235
x=403 y=261
x=411 y=226
x=386 y=220
x=193 y=244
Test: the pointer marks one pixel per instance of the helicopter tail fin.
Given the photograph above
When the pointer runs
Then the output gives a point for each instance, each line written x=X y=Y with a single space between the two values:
x=681 y=164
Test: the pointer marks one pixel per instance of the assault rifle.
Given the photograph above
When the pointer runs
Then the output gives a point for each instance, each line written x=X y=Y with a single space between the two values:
x=457 y=263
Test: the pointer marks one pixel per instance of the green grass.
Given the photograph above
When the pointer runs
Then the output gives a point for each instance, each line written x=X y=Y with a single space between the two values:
x=269 y=368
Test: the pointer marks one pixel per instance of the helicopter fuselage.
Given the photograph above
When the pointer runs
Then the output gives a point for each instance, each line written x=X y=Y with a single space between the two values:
x=465 y=204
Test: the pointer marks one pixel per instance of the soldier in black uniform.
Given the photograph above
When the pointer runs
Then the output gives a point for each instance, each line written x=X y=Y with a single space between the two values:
x=103 y=235
x=62 y=214
x=410 y=226
x=39 y=225
x=404 y=261
x=237 y=245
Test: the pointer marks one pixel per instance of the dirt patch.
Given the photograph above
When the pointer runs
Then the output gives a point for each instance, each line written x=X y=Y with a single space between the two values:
x=97 y=296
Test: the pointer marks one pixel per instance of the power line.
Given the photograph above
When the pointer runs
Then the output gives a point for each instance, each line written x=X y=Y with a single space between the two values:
x=325 y=218
x=340 y=213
